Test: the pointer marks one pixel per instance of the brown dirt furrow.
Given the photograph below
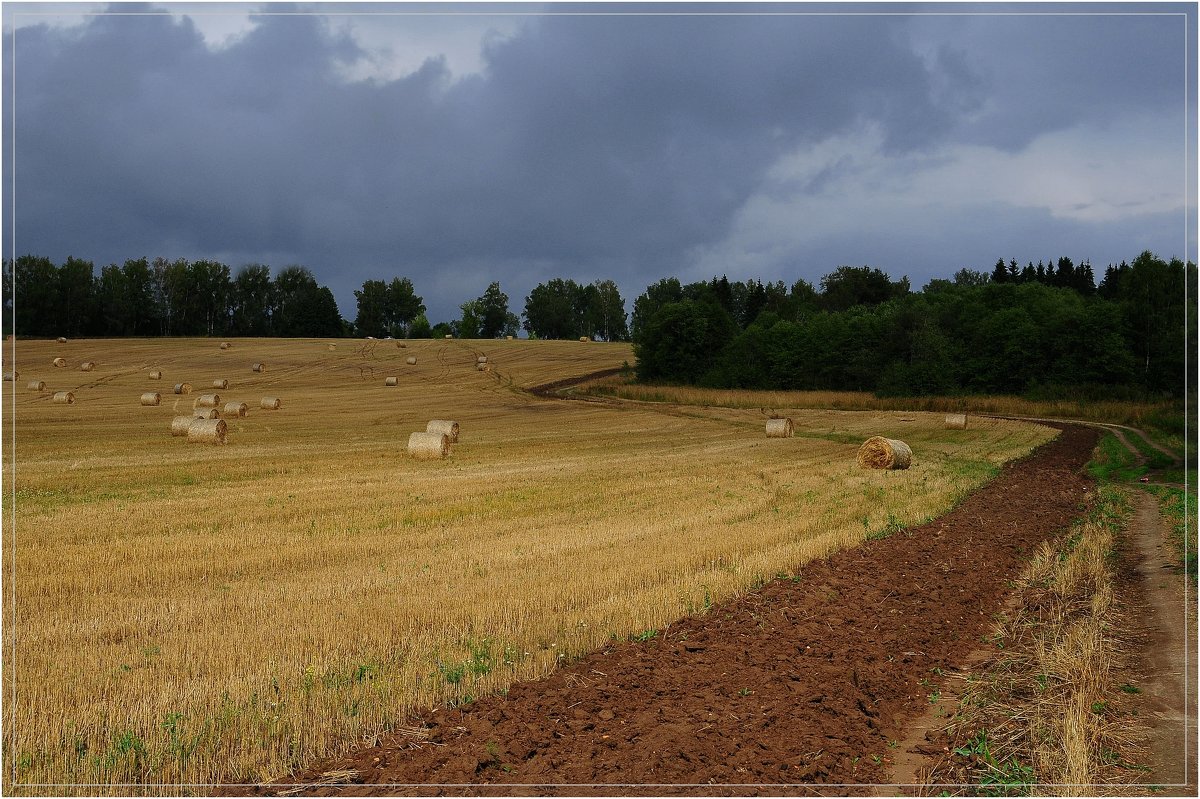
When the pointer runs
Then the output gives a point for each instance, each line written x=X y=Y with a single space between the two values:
x=802 y=683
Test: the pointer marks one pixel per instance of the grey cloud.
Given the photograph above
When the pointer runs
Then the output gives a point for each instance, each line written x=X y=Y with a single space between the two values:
x=589 y=146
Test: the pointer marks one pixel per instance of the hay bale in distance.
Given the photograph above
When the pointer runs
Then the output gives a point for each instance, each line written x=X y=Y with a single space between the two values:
x=151 y=398
x=61 y=339
x=481 y=359
x=64 y=397
x=222 y=383
x=10 y=377
x=584 y=339
x=332 y=347
x=156 y=375
x=258 y=367
x=428 y=445
x=448 y=336
x=236 y=409
x=270 y=403
x=37 y=385
x=206 y=413
x=87 y=366
x=401 y=345
x=180 y=425
x=878 y=452
x=207 y=431
x=411 y=360
x=224 y=345
x=391 y=381
x=444 y=426
x=508 y=338
x=183 y=388
x=483 y=367
x=780 y=428
x=207 y=401
x=956 y=421
x=61 y=363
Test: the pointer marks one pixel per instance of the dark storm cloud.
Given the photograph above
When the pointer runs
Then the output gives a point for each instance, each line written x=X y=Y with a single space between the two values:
x=587 y=140
x=588 y=146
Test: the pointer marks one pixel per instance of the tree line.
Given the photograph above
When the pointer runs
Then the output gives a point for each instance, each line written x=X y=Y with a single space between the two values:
x=975 y=333
x=1039 y=328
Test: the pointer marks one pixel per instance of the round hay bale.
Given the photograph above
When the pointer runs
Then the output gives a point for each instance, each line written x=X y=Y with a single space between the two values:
x=206 y=413
x=270 y=403
x=61 y=339
x=258 y=367
x=206 y=431
x=61 y=363
x=222 y=383
x=411 y=360
x=481 y=359
x=332 y=347
x=401 y=345
x=64 y=397
x=878 y=452
x=508 y=338
x=780 y=428
x=37 y=385
x=207 y=401
x=87 y=366
x=448 y=336
x=956 y=421
x=11 y=377
x=236 y=409
x=156 y=375
x=224 y=345
x=483 y=367
x=151 y=398
x=391 y=381
x=180 y=425
x=183 y=388
x=428 y=445
x=447 y=428
x=584 y=339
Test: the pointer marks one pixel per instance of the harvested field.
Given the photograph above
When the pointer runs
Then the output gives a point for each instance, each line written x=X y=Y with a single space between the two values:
x=552 y=528
x=806 y=682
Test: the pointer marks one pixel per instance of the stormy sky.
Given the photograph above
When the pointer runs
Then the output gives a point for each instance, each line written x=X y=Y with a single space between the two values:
x=459 y=144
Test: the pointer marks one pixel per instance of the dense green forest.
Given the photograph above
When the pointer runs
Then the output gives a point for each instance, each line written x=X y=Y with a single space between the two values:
x=1040 y=329
x=1034 y=331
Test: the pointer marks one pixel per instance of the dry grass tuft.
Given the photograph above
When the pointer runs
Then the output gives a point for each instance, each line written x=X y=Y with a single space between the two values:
x=1047 y=710
x=878 y=452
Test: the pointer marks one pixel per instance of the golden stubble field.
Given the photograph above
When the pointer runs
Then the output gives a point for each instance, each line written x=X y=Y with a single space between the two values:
x=183 y=614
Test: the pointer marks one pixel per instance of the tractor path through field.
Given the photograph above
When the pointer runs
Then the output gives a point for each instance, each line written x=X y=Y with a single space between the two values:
x=804 y=685
x=1169 y=624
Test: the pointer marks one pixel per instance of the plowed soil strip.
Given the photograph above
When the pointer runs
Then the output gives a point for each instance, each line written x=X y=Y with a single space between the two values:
x=806 y=683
